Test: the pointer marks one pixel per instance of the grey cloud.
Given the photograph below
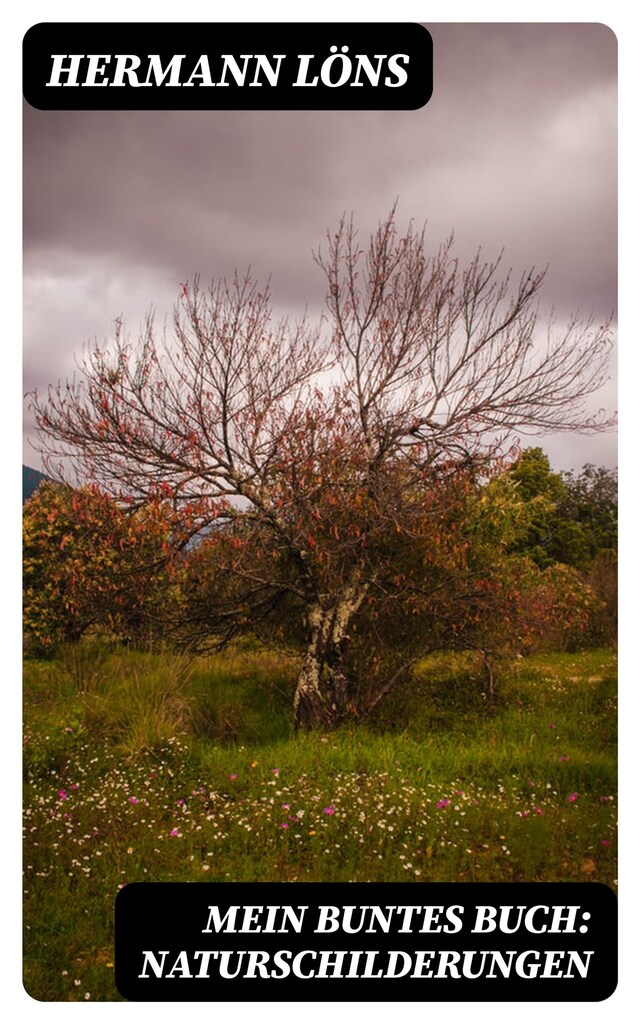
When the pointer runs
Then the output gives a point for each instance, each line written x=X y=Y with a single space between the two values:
x=515 y=149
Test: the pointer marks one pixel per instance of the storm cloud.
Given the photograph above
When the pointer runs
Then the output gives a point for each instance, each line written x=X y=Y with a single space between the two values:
x=516 y=150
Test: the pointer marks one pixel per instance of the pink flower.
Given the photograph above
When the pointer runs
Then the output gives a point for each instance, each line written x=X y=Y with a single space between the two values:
x=179 y=803
x=552 y=725
x=62 y=793
x=283 y=824
x=234 y=775
x=459 y=792
x=174 y=832
x=605 y=842
x=329 y=810
x=539 y=810
x=275 y=771
x=563 y=757
x=133 y=799
x=443 y=803
x=285 y=807
x=572 y=798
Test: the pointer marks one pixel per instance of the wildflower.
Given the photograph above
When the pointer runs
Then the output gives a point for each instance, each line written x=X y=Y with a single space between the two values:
x=552 y=725
x=329 y=810
x=75 y=785
x=234 y=775
x=275 y=771
x=539 y=810
x=254 y=764
x=312 y=832
x=443 y=803
x=605 y=842
x=563 y=757
x=572 y=798
x=179 y=803
x=62 y=793
x=285 y=807
x=133 y=799
x=283 y=824
x=174 y=832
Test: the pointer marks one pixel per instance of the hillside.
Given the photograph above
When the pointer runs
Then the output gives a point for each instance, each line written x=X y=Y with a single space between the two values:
x=31 y=478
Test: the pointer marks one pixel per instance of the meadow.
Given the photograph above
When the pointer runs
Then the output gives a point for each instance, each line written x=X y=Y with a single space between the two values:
x=150 y=766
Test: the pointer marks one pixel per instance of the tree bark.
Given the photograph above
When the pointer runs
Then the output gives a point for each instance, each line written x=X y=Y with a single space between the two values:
x=322 y=689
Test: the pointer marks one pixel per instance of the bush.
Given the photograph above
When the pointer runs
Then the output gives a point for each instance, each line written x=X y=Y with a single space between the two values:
x=89 y=563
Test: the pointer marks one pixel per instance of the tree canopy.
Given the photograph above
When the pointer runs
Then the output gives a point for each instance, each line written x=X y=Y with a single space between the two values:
x=569 y=517
x=87 y=563
x=333 y=469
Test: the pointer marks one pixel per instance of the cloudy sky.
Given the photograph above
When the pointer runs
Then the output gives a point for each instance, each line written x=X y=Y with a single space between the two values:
x=516 y=149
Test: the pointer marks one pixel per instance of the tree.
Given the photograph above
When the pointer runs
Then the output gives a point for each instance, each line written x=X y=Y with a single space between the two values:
x=87 y=563
x=550 y=534
x=333 y=452
x=591 y=500
x=570 y=517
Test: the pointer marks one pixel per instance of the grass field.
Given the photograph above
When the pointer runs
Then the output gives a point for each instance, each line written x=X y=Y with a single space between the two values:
x=151 y=767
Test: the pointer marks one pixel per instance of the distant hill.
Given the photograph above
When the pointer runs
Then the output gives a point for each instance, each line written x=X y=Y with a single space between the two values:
x=31 y=478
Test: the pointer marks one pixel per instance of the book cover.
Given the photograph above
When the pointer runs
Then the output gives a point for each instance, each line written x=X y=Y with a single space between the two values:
x=320 y=599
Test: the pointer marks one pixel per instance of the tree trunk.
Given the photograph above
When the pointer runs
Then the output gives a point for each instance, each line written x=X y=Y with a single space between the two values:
x=323 y=684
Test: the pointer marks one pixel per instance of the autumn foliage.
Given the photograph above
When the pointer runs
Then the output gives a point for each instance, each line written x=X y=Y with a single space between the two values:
x=88 y=562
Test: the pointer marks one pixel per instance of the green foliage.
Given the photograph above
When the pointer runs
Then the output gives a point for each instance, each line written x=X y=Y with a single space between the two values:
x=591 y=501
x=569 y=517
x=546 y=536
x=532 y=472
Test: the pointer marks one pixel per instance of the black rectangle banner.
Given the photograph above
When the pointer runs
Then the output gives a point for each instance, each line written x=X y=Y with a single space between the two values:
x=227 y=66
x=365 y=941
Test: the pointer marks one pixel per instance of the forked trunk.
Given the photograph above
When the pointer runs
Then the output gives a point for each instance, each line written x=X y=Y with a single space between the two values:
x=322 y=690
